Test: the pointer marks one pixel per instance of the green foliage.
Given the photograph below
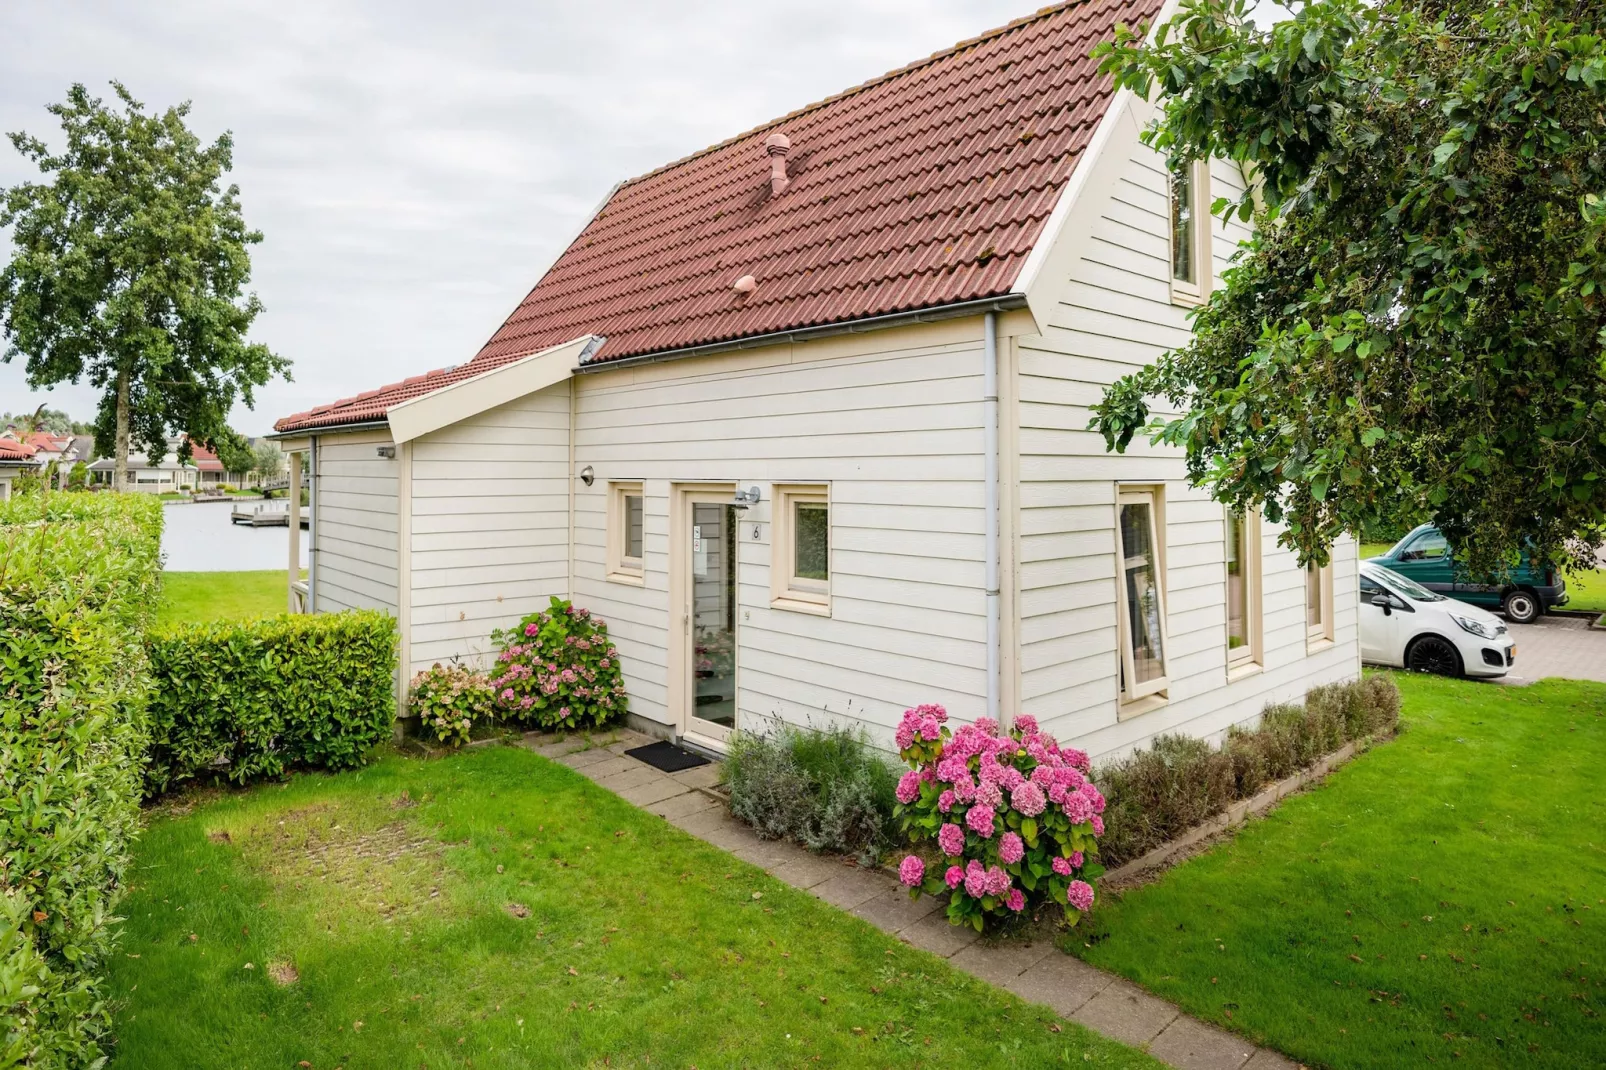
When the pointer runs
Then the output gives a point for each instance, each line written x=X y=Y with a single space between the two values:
x=267 y=460
x=449 y=700
x=828 y=790
x=1417 y=330
x=558 y=669
x=232 y=450
x=250 y=699
x=1155 y=795
x=128 y=265
x=78 y=577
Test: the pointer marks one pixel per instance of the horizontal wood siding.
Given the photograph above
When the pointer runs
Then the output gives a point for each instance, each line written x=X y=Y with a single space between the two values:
x=897 y=436
x=355 y=562
x=490 y=525
x=1116 y=314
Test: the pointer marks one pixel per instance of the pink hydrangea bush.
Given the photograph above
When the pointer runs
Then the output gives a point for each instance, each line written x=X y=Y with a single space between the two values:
x=558 y=669
x=1008 y=822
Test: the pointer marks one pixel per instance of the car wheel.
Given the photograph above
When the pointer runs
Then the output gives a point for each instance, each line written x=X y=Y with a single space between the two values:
x=1521 y=607
x=1434 y=654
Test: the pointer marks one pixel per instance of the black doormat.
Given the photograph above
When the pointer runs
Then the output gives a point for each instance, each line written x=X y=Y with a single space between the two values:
x=666 y=756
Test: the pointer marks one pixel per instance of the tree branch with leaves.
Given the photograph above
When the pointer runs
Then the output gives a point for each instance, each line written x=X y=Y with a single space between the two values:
x=1417 y=330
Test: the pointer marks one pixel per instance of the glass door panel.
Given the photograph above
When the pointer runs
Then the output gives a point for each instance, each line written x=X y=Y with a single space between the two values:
x=713 y=614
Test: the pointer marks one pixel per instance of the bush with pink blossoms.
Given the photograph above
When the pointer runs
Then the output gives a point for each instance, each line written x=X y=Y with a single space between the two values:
x=1008 y=822
x=558 y=669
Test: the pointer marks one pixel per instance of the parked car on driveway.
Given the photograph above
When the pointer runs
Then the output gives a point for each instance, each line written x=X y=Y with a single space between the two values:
x=1406 y=626
x=1425 y=556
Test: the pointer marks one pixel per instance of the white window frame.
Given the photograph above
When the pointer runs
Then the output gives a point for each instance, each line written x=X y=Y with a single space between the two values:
x=1139 y=698
x=621 y=567
x=1196 y=291
x=788 y=590
x=1321 y=632
x=1248 y=657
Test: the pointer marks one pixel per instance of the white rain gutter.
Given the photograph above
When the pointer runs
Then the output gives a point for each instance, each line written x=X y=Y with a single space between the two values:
x=312 y=528
x=990 y=576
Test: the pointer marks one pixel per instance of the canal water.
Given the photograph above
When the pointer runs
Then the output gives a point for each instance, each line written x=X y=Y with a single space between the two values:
x=198 y=537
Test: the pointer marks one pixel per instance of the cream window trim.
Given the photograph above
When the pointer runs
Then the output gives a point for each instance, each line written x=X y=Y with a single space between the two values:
x=1130 y=559
x=1250 y=655
x=1139 y=706
x=1197 y=259
x=1318 y=606
x=626 y=523
x=788 y=590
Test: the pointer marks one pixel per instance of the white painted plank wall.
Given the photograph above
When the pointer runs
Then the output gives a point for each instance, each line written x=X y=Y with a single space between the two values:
x=896 y=434
x=356 y=508
x=1116 y=314
x=489 y=526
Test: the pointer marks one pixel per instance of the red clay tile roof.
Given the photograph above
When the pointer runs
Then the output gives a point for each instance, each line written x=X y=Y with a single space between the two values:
x=12 y=450
x=925 y=187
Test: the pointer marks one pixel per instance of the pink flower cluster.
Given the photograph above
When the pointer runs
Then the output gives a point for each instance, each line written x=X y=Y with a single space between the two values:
x=559 y=669
x=1015 y=815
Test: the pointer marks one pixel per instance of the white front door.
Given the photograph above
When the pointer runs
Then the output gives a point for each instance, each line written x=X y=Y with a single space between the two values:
x=703 y=611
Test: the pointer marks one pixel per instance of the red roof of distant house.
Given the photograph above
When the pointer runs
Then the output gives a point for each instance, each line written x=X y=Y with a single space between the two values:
x=925 y=187
x=12 y=450
x=204 y=459
x=45 y=440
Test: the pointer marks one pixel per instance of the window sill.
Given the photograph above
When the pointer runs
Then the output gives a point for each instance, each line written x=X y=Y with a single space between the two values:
x=1139 y=706
x=798 y=605
x=1245 y=669
x=1317 y=645
x=630 y=579
x=1187 y=299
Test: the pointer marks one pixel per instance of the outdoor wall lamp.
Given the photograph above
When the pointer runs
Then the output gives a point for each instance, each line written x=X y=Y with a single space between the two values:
x=587 y=476
x=745 y=498
x=387 y=452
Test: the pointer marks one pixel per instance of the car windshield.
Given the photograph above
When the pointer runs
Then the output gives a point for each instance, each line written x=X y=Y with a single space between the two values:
x=1409 y=588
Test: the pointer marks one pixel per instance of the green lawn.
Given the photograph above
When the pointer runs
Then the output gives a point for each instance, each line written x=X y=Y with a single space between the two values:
x=1587 y=590
x=1440 y=899
x=204 y=596
x=393 y=892
x=1374 y=549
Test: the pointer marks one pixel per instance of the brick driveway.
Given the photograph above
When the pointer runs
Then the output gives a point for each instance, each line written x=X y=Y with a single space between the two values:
x=1558 y=646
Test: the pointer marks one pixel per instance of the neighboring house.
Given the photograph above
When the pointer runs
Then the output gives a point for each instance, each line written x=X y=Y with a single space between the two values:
x=16 y=459
x=886 y=314
x=144 y=476
x=209 y=469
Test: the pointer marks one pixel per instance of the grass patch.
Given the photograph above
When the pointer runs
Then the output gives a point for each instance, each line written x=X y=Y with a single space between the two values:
x=197 y=597
x=497 y=910
x=1375 y=549
x=1442 y=898
x=1587 y=590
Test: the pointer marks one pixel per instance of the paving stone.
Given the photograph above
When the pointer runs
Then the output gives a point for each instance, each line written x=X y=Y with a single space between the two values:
x=768 y=854
x=683 y=805
x=628 y=741
x=806 y=872
x=732 y=836
x=851 y=887
x=894 y=911
x=581 y=758
x=609 y=766
x=935 y=934
x=1060 y=982
x=1000 y=964
x=634 y=777
x=656 y=790
x=550 y=747
x=1190 y=1044
x=701 y=822
x=1125 y=1012
x=1266 y=1059
x=704 y=776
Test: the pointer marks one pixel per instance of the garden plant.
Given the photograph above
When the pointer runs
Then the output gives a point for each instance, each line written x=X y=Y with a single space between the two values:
x=449 y=700
x=558 y=669
x=1014 y=818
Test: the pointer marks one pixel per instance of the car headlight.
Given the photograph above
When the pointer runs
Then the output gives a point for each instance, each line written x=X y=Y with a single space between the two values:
x=1476 y=627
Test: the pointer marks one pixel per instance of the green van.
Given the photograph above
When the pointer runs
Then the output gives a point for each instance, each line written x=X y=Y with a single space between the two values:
x=1425 y=557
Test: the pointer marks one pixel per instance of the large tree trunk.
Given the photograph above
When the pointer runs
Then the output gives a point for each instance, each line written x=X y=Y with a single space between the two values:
x=120 y=449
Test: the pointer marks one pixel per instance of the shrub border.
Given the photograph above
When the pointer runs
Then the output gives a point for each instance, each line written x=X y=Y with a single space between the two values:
x=1150 y=865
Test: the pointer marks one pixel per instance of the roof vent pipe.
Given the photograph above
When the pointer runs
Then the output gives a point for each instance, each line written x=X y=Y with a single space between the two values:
x=776 y=146
x=745 y=285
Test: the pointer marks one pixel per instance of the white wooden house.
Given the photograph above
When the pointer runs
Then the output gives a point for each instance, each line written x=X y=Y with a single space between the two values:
x=803 y=417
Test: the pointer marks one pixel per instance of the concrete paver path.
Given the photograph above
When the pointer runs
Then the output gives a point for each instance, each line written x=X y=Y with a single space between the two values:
x=1036 y=972
x=1557 y=646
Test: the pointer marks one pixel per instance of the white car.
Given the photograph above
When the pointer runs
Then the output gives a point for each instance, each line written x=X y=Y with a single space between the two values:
x=1407 y=626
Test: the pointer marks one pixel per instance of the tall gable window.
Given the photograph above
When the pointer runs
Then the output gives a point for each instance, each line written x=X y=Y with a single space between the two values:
x=1140 y=591
x=1243 y=590
x=1318 y=603
x=1191 y=268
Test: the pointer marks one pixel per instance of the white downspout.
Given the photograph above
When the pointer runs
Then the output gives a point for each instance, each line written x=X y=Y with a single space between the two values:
x=312 y=530
x=990 y=481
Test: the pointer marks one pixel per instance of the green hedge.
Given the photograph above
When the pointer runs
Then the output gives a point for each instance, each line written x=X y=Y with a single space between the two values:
x=249 y=699
x=78 y=579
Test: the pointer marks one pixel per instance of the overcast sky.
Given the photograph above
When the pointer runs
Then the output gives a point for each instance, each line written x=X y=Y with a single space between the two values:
x=416 y=166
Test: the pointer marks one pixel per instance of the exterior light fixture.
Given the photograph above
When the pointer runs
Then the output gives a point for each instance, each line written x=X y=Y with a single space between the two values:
x=745 y=498
x=587 y=475
x=387 y=452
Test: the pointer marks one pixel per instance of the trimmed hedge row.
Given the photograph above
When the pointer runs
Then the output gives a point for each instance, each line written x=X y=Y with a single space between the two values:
x=249 y=699
x=78 y=578
x=1155 y=795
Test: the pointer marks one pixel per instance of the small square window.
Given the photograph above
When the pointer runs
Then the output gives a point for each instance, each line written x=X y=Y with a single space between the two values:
x=626 y=528
x=1191 y=265
x=800 y=569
